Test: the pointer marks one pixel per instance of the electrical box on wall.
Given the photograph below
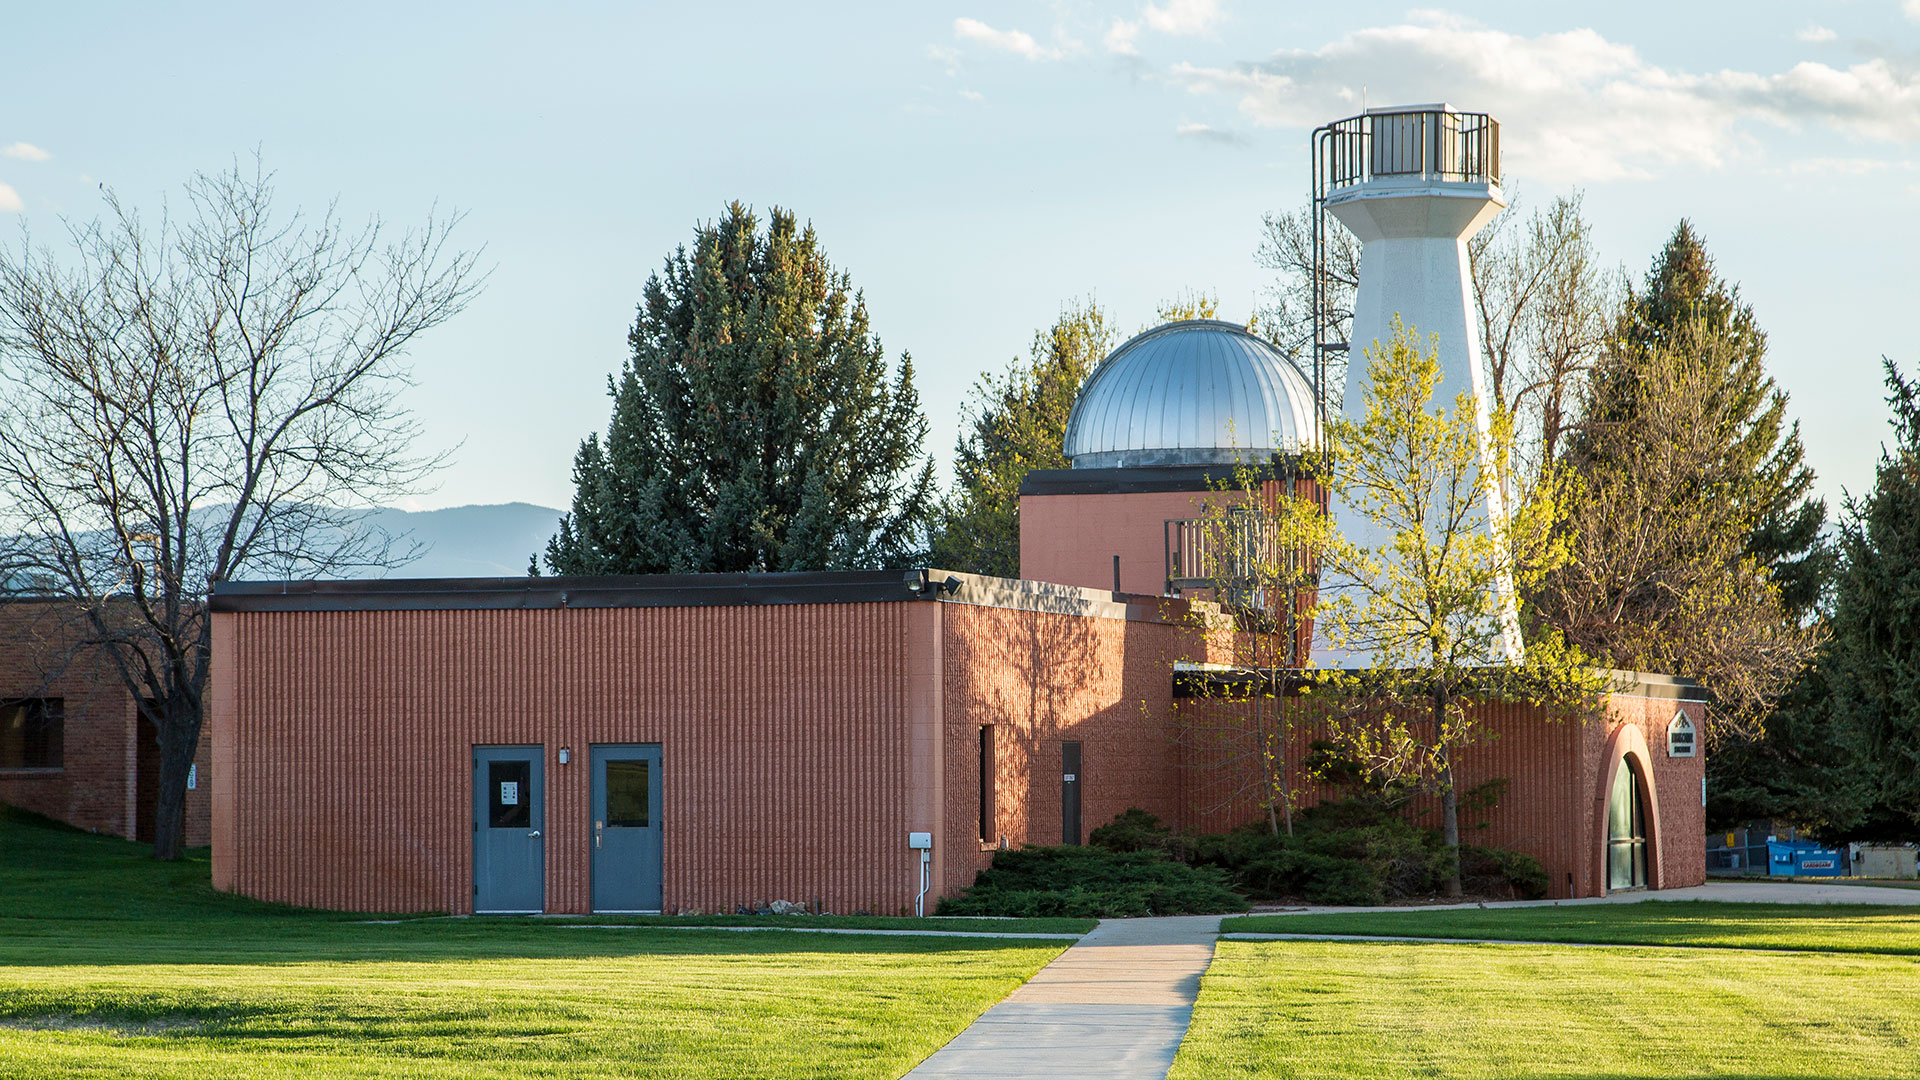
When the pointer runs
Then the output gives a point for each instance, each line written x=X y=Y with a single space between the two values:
x=920 y=841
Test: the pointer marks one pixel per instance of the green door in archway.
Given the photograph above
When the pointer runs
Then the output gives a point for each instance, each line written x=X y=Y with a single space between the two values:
x=1626 y=832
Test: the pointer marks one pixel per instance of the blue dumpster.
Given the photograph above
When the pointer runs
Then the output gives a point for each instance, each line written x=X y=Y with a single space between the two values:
x=1801 y=858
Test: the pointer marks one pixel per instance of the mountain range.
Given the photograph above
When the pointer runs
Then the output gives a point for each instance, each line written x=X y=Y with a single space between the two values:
x=469 y=541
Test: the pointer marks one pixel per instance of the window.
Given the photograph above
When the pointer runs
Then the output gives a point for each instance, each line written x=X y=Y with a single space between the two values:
x=32 y=733
x=1680 y=736
x=508 y=794
x=988 y=829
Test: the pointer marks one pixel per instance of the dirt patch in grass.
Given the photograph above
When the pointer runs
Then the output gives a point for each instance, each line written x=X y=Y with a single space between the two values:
x=95 y=1025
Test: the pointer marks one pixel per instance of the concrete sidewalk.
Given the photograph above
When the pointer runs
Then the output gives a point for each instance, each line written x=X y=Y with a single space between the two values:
x=1739 y=892
x=1115 y=1005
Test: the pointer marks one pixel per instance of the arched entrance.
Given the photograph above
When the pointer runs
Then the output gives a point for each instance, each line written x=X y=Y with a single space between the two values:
x=1626 y=831
x=1627 y=839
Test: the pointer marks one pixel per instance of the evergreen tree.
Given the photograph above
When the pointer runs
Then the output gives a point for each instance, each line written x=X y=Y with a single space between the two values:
x=1876 y=616
x=1695 y=544
x=1017 y=421
x=1803 y=769
x=755 y=426
x=1686 y=308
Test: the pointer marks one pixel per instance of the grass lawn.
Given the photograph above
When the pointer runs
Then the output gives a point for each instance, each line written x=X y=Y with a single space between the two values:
x=1846 y=1004
x=113 y=964
x=1892 y=929
x=1330 y=1010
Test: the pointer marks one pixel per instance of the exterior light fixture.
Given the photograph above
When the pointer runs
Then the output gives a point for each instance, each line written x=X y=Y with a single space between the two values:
x=916 y=581
x=566 y=755
x=952 y=584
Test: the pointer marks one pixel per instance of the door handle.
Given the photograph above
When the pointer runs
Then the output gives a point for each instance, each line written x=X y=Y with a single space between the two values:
x=534 y=834
x=599 y=830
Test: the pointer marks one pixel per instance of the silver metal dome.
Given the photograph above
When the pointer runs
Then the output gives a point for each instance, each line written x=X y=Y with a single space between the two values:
x=1196 y=392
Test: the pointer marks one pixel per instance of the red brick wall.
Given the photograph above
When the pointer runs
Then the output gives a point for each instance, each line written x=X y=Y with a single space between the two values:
x=343 y=748
x=1042 y=679
x=96 y=787
x=1555 y=770
x=1072 y=539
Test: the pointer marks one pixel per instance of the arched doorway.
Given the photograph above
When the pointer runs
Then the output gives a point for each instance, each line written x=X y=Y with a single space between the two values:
x=1626 y=830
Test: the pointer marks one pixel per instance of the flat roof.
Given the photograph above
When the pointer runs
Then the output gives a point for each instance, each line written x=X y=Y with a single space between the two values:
x=676 y=590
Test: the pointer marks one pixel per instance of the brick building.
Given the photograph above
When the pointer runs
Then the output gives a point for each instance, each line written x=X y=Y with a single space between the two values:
x=859 y=741
x=72 y=744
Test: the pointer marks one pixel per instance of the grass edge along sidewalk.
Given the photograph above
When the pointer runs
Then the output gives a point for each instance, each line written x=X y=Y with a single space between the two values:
x=111 y=963
x=1864 y=928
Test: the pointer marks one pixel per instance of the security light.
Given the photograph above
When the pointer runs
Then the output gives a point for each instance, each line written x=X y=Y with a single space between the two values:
x=916 y=581
x=952 y=584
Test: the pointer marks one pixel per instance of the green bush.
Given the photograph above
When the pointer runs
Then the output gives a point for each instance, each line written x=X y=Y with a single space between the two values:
x=1497 y=871
x=1356 y=852
x=1090 y=882
x=1132 y=830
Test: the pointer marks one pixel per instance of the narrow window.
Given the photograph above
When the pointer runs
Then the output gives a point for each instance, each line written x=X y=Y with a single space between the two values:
x=32 y=733
x=987 y=824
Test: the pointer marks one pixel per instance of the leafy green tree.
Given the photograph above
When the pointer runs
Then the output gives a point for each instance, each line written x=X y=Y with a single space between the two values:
x=1016 y=422
x=1423 y=591
x=1695 y=547
x=756 y=426
x=1876 y=616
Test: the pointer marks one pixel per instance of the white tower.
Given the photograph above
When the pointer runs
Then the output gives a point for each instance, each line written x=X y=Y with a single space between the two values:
x=1414 y=183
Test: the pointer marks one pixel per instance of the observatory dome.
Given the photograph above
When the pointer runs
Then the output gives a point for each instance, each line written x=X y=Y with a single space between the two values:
x=1196 y=392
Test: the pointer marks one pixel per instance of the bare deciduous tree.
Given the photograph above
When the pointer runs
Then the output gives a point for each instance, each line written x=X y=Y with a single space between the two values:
x=203 y=398
x=1544 y=309
x=1286 y=248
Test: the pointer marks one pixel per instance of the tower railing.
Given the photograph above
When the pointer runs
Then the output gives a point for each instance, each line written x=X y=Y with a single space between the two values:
x=1438 y=145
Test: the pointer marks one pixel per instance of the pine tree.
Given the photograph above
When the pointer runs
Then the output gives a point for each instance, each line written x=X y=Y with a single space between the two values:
x=1876 y=615
x=755 y=426
x=1686 y=308
x=1017 y=422
x=1695 y=544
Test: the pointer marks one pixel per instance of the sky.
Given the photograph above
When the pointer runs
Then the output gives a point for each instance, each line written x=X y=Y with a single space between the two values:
x=976 y=166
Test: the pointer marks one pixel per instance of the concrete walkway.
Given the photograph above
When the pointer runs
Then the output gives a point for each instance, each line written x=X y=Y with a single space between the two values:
x=1114 y=1006
x=1739 y=892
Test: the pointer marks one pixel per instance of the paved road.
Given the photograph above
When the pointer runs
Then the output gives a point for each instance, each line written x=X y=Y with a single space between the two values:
x=1115 y=1005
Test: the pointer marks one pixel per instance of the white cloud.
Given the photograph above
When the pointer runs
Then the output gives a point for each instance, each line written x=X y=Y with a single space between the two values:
x=1208 y=133
x=1818 y=34
x=1018 y=42
x=1576 y=106
x=1912 y=8
x=1177 y=18
x=973 y=95
x=10 y=200
x=1181 y=18
x=946 y=56
x=25 y=152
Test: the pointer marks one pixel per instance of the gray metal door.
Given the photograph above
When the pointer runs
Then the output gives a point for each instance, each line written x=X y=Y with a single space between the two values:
x=509 y=816
x=626 y=828
x=1070 y=793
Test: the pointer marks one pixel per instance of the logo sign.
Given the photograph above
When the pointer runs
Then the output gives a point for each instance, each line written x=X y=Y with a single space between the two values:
x=1816 y=864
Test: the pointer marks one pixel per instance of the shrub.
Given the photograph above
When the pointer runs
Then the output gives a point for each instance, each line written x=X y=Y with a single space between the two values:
x=1133 y=830
x=1497 y=871
x=1088 y=882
